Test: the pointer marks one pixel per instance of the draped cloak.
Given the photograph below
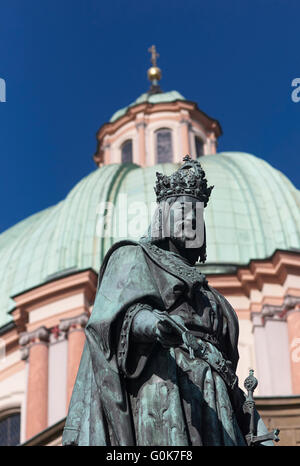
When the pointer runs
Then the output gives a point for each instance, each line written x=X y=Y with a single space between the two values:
x=110 y=402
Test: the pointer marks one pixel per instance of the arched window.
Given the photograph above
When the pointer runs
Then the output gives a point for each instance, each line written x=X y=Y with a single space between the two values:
x=10 y=430
x=199 y=146
x=127 y=151
x=164 y=150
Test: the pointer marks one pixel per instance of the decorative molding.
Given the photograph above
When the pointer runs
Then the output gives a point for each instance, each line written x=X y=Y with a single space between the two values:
x=73 y=323
x=56 y=335
x=270 y=312
x=140 y=124
x=185 y=121
x=276 y=312
x=291 y=302
x=40 y=335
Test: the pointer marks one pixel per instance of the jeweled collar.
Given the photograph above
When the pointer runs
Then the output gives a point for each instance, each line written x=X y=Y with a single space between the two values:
x=174 y=263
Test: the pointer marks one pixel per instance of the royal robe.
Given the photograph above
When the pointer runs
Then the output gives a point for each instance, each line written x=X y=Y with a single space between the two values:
x=128 y=393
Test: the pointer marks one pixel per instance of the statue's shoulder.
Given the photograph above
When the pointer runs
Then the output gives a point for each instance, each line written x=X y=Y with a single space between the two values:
x=122 y=250
x=121 y=247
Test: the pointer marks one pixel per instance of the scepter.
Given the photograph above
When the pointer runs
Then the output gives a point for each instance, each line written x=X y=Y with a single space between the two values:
x=250 y=385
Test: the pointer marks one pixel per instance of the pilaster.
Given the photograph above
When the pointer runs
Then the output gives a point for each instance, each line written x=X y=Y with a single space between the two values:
x=34 y=349
x=74 y=331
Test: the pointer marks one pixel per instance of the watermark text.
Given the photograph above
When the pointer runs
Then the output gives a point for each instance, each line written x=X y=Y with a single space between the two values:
x=2 y=90
x=296 y=92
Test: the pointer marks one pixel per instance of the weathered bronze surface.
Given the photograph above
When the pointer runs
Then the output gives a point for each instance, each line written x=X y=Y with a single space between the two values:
x=158 y=367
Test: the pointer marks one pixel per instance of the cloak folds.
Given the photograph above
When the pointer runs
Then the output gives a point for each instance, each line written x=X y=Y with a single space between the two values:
x=101 y=411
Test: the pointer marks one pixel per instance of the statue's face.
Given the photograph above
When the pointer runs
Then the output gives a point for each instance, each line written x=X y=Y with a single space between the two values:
x=187 y=222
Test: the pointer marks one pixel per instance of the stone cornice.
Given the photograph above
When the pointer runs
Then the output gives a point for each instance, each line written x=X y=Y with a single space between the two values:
x=86 y=280
x=257 y=273
x=56 y=289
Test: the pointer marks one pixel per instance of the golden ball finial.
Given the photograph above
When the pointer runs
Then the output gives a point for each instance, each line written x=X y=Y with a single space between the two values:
x=154 y=73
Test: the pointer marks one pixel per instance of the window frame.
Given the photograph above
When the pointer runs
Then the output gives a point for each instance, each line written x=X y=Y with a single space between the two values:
x=201 y=140
x=156 y=132
x=124 y=143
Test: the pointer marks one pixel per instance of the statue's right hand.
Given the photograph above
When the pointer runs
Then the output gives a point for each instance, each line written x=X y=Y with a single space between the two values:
x=146 y=328
x=166 y=335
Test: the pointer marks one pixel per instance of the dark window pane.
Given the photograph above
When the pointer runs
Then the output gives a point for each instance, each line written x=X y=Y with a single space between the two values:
x=199 y=146
x=14 y=429
x=127 y=152
x=10 y=430
x=164 y=151
x=3 y=432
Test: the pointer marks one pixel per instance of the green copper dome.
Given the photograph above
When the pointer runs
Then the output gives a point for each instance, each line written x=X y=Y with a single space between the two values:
x=253 y=210
x=158 y=98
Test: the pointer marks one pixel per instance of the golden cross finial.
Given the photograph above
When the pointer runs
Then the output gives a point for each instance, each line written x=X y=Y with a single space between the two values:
x=154 y=55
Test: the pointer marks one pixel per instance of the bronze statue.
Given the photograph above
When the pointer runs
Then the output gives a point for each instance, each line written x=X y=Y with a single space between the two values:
x=158 y=367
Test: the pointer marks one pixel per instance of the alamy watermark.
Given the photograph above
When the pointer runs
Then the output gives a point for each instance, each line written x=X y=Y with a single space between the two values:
x=2 y=90
x=296 y=92
x=180 y=218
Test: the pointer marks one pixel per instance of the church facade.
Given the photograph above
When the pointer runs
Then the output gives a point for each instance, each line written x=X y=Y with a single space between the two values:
x=50 y=263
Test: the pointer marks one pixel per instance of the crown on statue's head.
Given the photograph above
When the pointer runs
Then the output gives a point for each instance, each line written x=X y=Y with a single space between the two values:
x=188 y=180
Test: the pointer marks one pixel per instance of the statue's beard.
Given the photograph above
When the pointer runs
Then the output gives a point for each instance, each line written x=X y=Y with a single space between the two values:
x=181 y=246
x=177 y=222
x=185 y=236
x=180 y=243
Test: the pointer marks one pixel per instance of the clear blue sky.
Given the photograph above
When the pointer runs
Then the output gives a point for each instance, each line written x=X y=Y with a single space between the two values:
x=70 y=64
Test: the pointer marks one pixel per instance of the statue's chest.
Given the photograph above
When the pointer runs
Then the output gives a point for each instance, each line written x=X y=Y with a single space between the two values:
x=185 y=291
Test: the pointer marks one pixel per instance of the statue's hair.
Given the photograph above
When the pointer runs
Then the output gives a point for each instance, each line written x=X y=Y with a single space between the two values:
x=155 y=233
